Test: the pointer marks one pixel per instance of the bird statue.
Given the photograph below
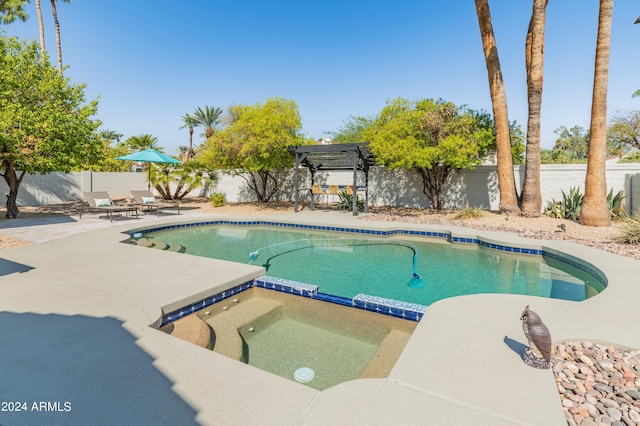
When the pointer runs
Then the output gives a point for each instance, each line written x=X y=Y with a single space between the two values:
x=538 y=355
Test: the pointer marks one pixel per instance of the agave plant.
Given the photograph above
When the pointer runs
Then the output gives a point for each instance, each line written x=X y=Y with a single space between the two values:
x=615 y=203
x=346 y=201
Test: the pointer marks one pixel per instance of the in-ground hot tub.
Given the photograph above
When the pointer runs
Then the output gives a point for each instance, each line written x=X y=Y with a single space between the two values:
x=313 y=342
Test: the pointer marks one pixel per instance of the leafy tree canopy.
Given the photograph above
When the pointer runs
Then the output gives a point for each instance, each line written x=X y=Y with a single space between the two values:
x=434 y=137
x=257 y=141
x=623 y=134
x=45 y=124
x=353 y=129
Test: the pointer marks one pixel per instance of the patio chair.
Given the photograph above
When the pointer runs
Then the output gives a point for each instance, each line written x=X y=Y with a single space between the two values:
x=100 y=201
x=146 y=199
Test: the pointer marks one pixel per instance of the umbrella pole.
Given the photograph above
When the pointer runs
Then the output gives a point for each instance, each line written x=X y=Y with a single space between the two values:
x=149 y=183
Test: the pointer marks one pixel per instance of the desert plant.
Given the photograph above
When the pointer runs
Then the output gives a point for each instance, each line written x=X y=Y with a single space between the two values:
x=568 y=208
x=346 y=201
x=217 y=200
x=630 y=231
x=615 y=203
x=469 y=213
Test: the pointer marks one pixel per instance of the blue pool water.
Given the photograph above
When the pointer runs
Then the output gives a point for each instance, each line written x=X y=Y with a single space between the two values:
x=344 y=264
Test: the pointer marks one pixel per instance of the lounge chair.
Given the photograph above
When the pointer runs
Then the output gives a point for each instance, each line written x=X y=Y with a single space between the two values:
x=100 y=201
x=146 y=199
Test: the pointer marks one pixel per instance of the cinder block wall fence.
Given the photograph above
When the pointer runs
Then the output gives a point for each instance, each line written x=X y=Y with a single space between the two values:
x=477 y=187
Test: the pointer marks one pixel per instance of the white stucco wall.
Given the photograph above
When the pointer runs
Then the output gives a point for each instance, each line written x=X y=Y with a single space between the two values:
x=477 y=187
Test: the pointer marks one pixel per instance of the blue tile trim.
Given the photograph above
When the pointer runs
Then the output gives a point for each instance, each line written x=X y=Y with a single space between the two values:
x=528 y=251
x=379 y=305
x=394 y=308
x=204 y=303
x=597 y=274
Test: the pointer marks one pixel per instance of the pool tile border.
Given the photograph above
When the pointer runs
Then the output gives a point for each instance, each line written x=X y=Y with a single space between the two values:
x=432 y=234
x=379 y=305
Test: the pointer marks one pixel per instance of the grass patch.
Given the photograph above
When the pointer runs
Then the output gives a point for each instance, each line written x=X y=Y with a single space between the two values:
x=469 y=213
x=629 y=231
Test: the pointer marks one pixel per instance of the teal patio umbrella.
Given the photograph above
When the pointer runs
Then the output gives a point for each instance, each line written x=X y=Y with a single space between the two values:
x=150 y=156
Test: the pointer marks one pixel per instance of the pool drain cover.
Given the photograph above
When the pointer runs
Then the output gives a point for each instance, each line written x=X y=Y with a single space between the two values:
x=304 y=374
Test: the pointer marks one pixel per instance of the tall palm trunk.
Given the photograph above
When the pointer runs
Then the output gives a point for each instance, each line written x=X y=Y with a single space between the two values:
x=41 y=25
x=531 y=198
x=190 y=153
x=58 y=43
x=506 y=180
x=595 y=209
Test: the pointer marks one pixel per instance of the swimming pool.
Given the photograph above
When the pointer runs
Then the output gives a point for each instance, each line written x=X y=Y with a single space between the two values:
x=383 y=264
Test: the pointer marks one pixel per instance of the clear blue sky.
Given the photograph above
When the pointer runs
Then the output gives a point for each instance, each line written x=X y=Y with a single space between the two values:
x=152 y=61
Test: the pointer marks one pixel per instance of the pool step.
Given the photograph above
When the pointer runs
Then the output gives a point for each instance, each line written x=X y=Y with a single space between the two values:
x=387 y=354
x=178 y=248
x=225 y=324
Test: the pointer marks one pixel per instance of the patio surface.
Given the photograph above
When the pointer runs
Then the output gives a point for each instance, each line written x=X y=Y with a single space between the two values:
x=75 y=310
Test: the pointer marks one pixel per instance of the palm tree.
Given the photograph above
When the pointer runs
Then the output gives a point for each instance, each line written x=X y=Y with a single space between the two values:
x=141 y=142
x=531 y=198
x=506 y=180
x=182 y=153
x=41 y=26
x=10 y=10
x=57 y=24
x=189 y=122
x=109 y=136
x=208 y=118
x=595 y=209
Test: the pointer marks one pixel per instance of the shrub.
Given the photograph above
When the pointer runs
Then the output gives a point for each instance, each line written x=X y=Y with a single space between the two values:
x=615 y=203
x=568 y=208
x=571 y=204
x=630 y=232
x=346 y=201
x=218 y=200
x=469 y=213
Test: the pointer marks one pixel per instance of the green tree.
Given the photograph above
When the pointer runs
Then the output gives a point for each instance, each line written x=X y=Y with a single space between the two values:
x=517 y=143
x=574 y=143
x=184 y=179
x=256 y=144
x=433 y=137
x=142 y=142
x=623 y=134
x=10 y=10
x=57 y=135
x=109 y=136
x=208 y=118
x=189 y=122
x=352 y=129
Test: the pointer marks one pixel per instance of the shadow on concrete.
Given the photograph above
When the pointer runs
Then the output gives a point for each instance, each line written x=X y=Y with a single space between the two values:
x=515 y=346
x=85 y=370
x=9 y=267
x=22 y=223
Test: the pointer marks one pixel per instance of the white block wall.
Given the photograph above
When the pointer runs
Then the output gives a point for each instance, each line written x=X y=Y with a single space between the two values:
x=477 y=187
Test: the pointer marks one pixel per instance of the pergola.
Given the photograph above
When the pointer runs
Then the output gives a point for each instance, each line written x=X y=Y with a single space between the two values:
x=348 y=156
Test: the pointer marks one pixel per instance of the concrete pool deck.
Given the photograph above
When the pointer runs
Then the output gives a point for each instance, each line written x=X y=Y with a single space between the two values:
x=75 y=313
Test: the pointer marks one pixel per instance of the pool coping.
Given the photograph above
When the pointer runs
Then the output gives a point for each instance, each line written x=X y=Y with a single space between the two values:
x=459 y=366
